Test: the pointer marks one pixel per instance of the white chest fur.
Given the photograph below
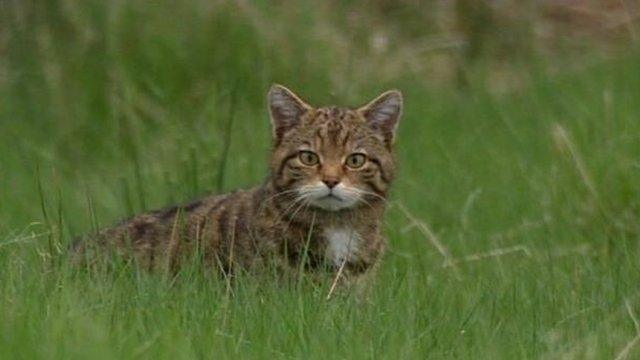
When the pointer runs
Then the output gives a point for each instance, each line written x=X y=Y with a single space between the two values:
x=342 y=244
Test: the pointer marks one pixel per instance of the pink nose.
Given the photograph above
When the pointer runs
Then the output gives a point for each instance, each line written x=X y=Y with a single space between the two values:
x=330 y=183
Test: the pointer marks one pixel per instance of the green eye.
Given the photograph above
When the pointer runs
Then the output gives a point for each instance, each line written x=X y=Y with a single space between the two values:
x=309 y=158
x=356 y=160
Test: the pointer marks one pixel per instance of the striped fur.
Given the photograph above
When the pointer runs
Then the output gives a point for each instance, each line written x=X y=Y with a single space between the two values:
x=274 y=223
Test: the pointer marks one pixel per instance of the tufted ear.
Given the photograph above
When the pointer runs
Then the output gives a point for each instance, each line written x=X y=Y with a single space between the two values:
x=383 y=113
x=286 y=109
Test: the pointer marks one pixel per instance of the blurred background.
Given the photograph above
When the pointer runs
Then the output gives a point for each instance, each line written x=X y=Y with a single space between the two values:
x=513 y=222
x=145 y=103
x=145 y=95
x=111 y=108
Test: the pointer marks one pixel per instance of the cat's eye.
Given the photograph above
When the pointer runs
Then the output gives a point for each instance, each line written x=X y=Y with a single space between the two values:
x=356 y=160
x=309 y=158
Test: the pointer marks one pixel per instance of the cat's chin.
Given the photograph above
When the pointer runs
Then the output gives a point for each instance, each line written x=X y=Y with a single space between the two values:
x=332 y=203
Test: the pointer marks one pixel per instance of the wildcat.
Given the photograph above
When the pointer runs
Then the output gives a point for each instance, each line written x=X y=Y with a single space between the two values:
x=321 y=207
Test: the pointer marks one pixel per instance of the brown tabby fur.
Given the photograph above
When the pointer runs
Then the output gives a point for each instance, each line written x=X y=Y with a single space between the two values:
x=268 y=224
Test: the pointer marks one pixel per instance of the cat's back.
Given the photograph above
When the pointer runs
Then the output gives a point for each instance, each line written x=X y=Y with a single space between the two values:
x=164 y=236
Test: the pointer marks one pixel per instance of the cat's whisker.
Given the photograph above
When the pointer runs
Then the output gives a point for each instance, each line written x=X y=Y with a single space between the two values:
x=304 y=205
x=277 y=195
x=281 y=193
x=274 y=196
x=364 y=192
x=362 y=200
x=291 y=205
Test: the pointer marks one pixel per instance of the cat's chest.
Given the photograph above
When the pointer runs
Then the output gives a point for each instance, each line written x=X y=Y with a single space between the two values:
x=342 y=244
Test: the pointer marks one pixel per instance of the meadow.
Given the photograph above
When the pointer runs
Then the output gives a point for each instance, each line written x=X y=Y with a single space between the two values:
x=514 y=220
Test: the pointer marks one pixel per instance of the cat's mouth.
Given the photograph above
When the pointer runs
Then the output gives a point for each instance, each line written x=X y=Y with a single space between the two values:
x=330 y=199
x=332 y=202
x=332 y=196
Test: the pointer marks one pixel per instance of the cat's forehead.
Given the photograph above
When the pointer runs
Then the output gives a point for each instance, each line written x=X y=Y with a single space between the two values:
x=334 y=123
x=334 y=128
x=335 y=116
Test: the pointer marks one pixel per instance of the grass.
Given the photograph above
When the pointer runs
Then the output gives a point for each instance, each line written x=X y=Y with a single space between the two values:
x=533 y=192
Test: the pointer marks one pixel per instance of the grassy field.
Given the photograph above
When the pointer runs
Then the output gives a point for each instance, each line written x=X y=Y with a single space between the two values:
x=514 y=223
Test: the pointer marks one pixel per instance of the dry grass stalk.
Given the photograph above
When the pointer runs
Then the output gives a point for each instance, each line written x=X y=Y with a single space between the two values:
x=564 y=143
x=336 y=279
x=624 y=353
x=430 y=235
x=490 y=254
x=524 y=226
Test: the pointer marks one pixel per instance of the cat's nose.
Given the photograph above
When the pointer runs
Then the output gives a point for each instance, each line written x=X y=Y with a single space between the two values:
x=331 y=183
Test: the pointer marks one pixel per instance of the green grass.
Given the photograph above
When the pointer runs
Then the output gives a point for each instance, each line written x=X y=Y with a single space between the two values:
x=103 y=115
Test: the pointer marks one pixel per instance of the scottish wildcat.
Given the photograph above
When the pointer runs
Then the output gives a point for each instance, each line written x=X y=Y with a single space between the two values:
x=321 y=207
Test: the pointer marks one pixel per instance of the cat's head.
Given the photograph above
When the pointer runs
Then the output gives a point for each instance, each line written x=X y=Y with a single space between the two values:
x=333 y=158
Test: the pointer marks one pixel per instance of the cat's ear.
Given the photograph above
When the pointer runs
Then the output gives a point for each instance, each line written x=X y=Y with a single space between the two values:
x=286 y=109
x=383 y=113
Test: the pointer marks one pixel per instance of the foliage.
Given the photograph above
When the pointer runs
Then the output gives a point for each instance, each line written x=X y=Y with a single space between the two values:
x=527 y=173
